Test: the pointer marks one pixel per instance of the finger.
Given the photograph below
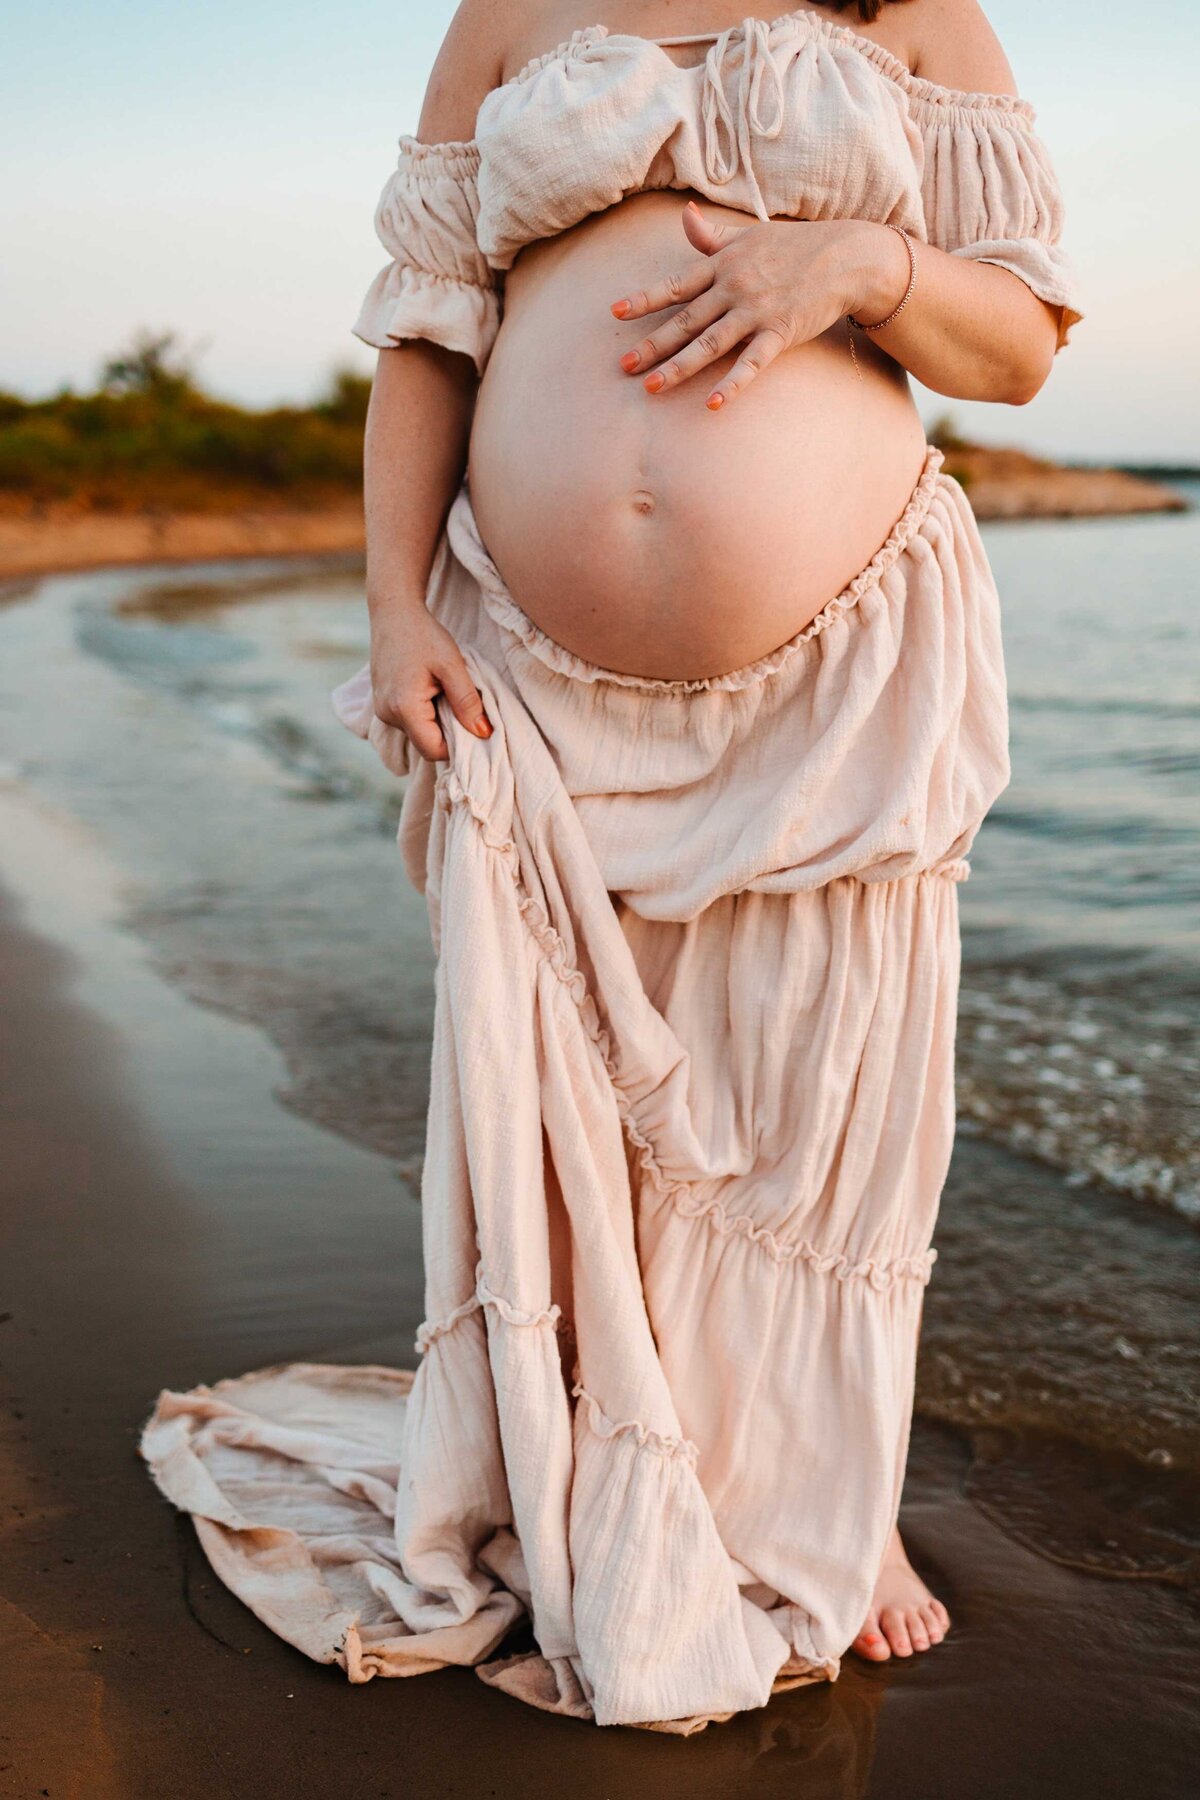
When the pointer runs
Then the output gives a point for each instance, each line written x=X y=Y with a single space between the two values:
x=418 y=721
x=679 y=329
x=762 y=349
x=463 y=696
x=672 y=290
x=426 y=738
x=703 y=234
x=717 y=340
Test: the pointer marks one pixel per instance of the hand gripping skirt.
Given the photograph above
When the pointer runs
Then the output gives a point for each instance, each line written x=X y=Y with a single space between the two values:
x=691 y=1112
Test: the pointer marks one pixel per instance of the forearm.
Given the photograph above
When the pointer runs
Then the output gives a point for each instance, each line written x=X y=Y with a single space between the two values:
x=418 y=430
x=971 y=330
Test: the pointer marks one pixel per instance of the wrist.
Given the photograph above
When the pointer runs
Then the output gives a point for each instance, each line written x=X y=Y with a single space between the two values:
x=392 y=606
x=879 y=272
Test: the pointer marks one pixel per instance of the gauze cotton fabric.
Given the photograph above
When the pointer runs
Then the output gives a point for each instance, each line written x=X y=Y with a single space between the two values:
x=690 y=1116
x=796 y=118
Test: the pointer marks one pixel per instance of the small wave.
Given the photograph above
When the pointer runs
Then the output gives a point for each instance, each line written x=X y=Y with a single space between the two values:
x=1096 y=1080
x=1101 y=828
x=1104 y=706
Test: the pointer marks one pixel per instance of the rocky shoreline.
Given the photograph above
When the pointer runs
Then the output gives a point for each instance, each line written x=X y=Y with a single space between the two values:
x=1012 y=484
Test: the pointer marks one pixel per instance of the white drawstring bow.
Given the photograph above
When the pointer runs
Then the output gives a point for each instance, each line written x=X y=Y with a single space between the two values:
x=757 y=67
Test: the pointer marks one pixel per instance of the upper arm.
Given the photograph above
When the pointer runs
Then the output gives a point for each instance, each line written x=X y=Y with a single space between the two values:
x=988 y=196
x=953 y=44
x=467 y=67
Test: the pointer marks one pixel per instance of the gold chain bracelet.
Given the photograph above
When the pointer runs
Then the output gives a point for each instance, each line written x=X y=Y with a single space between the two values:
x=857 y=325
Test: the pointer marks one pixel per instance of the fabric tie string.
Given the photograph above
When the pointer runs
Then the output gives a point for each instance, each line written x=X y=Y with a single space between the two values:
x=728 y=131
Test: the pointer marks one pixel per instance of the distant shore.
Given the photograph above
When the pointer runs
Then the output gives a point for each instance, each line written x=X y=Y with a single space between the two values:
x=58 y=536
x=1011 y=484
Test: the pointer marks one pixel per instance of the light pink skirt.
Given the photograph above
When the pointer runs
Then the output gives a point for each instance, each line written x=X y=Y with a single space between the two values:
x=691 y=1112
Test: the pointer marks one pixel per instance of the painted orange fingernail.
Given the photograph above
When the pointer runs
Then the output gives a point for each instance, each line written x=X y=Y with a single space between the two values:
x=655 y=382
x=715 y=402
x=630 y=361
x=483 y=728
x=620 y=308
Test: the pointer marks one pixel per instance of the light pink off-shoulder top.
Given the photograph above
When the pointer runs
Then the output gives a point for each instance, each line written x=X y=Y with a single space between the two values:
x=795 y=117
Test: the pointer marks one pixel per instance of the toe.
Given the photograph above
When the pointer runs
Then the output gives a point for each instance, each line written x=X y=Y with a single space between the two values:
x=871 y=1642
x=941 y=1615
x=896 y=1630
x=917 y=1633
x=933 y=1624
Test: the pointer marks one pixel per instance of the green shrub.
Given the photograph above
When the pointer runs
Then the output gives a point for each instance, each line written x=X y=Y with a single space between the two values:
x=150 y=435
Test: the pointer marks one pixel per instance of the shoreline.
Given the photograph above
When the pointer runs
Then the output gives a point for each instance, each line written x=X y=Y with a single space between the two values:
x=1011 y=484
x=62 y=537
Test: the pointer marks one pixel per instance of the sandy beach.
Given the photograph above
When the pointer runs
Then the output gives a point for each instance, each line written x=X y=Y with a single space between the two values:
x=57 y=537
x=214 y=1041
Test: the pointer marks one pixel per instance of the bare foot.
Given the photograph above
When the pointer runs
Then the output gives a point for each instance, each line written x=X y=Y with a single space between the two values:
x=904 y=1615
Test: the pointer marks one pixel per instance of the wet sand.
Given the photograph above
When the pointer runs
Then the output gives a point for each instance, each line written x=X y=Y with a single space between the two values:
x=166 y=1219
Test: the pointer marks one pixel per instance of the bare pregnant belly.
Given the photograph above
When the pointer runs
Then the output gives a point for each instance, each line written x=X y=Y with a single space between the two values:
x=644 y=532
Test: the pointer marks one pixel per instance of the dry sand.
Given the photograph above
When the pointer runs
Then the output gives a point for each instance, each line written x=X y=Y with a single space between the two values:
x=60 y=537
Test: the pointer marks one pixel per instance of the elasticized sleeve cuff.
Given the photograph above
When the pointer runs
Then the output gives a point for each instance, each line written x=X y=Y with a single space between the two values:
x=438 y=286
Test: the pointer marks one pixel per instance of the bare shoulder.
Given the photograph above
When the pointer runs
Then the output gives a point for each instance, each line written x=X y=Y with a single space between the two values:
x=953 y=43
x=471 y=62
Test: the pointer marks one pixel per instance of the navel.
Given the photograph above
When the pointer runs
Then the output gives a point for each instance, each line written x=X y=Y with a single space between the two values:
x=643 y=501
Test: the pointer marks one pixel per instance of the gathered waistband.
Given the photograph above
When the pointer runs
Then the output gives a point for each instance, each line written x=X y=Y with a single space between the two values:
x=465 y=540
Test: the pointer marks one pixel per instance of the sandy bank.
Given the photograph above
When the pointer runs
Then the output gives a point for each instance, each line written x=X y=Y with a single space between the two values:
x=59 y=537
x=1011 y=484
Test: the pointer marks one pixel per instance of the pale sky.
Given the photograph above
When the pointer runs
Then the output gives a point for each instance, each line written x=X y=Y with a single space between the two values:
x=213 y=168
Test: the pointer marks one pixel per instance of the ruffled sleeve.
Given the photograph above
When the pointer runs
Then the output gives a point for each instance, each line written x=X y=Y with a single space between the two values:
x=438 y=286
x=989 y=192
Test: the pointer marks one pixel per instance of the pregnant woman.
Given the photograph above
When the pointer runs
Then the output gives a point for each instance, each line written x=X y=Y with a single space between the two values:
x=690 y=653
